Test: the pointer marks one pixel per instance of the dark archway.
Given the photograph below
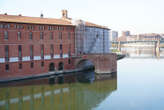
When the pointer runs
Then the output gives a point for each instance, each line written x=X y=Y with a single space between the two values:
x=84 y=63
x=51 y=67
x=88 y=74
x=61 y=66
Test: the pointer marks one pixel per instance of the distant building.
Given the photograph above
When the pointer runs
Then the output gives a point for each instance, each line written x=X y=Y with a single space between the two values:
x=132 y=38
x=149 y=37
x=144 y=37
x=162 y=35
x=122 y=38
x=114 y=36
x=125 y=33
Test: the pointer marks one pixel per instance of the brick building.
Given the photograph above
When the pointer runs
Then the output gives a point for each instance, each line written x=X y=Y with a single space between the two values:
x=33 y=45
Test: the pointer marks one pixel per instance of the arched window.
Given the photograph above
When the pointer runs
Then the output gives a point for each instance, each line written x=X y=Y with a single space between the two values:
x=61 y=66
x=51 y=67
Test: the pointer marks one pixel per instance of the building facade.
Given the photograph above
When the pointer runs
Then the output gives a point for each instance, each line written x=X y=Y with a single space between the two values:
x=96 y=40
x=125 y=33
x=37 y=46
x=91 y=38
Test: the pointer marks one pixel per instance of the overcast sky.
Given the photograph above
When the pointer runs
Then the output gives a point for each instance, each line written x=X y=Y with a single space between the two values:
x=138 y=16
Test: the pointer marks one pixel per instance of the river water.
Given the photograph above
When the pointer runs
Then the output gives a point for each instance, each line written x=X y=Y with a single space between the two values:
x=138 y=86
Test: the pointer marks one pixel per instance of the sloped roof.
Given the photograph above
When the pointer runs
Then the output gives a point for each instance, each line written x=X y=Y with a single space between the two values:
x=39 y=20
x=34 y=20
x=94 y=25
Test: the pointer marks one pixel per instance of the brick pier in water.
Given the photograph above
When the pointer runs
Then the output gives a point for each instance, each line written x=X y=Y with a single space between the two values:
x=105 y=64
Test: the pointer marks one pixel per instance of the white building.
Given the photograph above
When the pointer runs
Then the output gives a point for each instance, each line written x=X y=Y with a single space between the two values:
x=89 y=37
x=96 y=40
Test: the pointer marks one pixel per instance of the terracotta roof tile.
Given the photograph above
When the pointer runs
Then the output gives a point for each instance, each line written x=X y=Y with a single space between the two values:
x=35 y=20
x=39 y=20
x=94 y=25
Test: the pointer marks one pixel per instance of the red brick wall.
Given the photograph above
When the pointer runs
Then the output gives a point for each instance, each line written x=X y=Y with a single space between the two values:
x=13 y=43
x=104 y=63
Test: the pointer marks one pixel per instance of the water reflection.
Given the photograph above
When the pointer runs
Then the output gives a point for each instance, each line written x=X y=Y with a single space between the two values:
x=74 y=96
x=143 y=52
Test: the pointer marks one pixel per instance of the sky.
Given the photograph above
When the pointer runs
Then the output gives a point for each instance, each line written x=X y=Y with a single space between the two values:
x=137 y=16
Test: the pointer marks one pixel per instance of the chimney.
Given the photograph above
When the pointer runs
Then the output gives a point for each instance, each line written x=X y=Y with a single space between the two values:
x=41 y=15
x=64 y=14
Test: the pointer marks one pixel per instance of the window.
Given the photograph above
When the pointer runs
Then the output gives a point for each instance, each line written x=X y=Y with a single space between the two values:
x=8 y=26
x=52 y=50
x=60 y=28
x=57 y=27
x=50 y=27
x=20 y=65
x=51 y=36
x=19 y=35
x=42 y=51
x=69 y=61
x=21 y=27
x=6 y=35
x=4 y=25
x=30 y=36
x=69 y=54
x=15 y=26
x=41 y=27
x=1 y=25
x=20 y=52
x=61 y=54
x=32 y=65
x=61 y=51
x=61 y=47
x=60 y=35
x=42 y=64
x=30 y=27
x=69 y=50
x=41 y=35
x=6 y=53
x=7 y=67
x=31 y=52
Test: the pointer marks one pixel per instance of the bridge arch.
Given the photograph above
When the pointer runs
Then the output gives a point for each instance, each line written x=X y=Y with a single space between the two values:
x=87 y=75
x=84 y=63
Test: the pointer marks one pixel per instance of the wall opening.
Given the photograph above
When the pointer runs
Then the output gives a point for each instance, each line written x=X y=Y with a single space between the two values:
x=61 y=66
x=51 y=67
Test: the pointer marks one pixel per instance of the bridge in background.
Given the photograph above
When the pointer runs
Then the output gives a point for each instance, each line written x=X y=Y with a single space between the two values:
x=138 y=41
x=156 y=44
